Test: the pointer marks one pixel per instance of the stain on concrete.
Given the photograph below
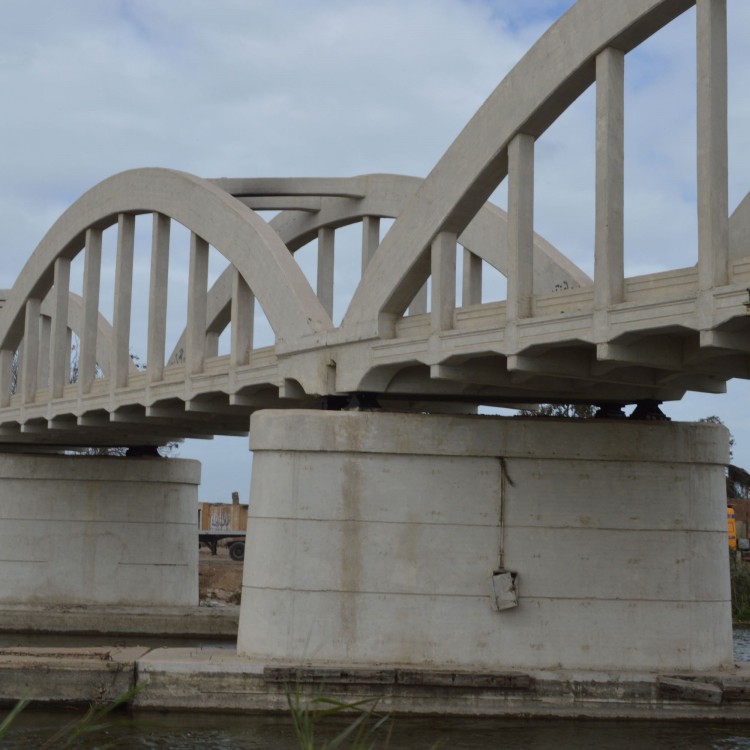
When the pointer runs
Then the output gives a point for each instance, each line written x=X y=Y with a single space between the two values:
x=350 y=552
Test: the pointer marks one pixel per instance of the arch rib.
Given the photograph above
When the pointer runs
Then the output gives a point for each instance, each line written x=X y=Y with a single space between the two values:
x=384 y=195
x=555 y=71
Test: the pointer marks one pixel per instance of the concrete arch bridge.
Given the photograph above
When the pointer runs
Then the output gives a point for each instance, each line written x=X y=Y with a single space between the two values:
x=559 y=335
x=373 y=595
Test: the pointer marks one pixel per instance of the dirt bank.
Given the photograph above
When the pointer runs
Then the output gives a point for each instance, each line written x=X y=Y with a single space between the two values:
x=220 y=577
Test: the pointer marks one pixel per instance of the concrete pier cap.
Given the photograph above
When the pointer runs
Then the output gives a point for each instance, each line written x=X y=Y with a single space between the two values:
x=93 y=530
x=376 y=538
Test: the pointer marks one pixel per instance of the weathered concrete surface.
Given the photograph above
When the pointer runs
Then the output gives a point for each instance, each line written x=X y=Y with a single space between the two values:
x=210 y=679
x=213 y=679
x=98 y=530
x=188 y=622
x=373 y=538
x=60 y=675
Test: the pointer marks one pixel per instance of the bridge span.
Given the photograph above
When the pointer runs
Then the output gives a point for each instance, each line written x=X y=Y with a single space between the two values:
x=558 y=335
x=394 y=518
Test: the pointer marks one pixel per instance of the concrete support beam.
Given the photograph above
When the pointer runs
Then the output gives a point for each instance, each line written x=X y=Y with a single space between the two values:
x=713 y=184
x=520 y=227
x=157 y=300
x=324 y=287
x=45 y=336
x=609 y=269
x=443 y=302
x=471 y=280
x=59 y=351
x=243 y=315
x=6 y=375
x=370 y=239
x=30 y=358
x=195 y=350
x=92 y=265
x=123 y=301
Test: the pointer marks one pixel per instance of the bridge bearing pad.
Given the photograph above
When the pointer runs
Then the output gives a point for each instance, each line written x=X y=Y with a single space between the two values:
x=85 y=530
x=375 y=538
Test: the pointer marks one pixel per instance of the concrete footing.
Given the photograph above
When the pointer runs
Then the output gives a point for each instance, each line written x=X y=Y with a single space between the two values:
x=78 y=530
x=205 y=679
x=486 y=543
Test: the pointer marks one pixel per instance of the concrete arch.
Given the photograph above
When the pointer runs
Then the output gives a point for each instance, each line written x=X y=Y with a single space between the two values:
x=233 y=229
x=555 y=71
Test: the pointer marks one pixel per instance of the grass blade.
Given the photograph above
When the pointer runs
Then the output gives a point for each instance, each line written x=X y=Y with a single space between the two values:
x=11 y=717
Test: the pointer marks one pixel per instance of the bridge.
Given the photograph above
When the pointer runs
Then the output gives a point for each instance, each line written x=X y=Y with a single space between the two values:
x=558 y=336
x=409 y=344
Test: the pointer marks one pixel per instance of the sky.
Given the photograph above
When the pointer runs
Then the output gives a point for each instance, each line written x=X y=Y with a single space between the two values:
x=255 y=88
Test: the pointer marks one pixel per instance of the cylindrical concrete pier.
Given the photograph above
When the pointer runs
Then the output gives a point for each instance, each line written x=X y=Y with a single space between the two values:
x=98 y=530
x=374 y=537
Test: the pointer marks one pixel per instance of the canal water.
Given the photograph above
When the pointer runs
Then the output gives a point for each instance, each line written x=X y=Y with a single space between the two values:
x=247 y=733
x=231 y=732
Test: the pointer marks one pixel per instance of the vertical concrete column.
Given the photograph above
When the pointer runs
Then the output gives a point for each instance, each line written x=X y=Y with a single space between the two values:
x=713 y=182
x=98 y=530
x=471 y=280
x=92 y=265
x=157 y=298
x=443 y=264
x=59 y=350
x=326 y=250
x=243 y=314
x=520 y=227
x=43 y=363
x=30 y=357
x=370 y=239
x=609 y=267
x=373 y=539
x=123 y=301
x=6 y=373
x=195 y=349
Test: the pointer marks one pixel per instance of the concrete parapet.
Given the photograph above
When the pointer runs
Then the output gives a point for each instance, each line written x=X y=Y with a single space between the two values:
x=98 y=530
x=374 y=537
